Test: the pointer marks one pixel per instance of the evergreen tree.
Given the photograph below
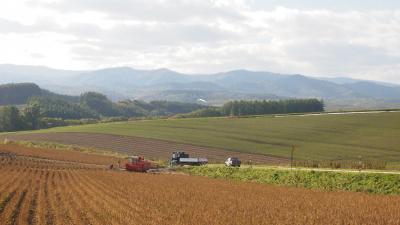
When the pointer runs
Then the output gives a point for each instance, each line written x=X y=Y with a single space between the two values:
x=242 y=108
x=32 y=116
x=10 y=119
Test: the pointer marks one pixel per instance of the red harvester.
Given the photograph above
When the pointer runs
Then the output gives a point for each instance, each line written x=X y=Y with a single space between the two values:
x=138 y=164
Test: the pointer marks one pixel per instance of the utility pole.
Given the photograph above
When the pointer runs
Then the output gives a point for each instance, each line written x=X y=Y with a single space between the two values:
x=291 y=156
x=250 y=162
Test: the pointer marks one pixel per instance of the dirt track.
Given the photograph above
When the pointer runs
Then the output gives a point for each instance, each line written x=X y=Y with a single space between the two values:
x=150 y=148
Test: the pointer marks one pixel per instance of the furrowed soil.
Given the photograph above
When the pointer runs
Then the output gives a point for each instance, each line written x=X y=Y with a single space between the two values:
x=151 y=148
x=38 y=191
x=53 y=154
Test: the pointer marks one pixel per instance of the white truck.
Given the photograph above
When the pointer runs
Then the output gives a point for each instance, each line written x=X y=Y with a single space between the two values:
x=182 y=158
x=233 y=162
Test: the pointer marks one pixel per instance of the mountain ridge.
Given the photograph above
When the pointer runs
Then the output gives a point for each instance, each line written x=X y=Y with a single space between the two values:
x=128 y=83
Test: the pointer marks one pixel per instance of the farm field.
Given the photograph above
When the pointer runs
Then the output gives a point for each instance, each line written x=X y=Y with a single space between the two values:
x=40 y=191
x=62 y=155
x=153 y=149
x=377 y=182
x=321 y=137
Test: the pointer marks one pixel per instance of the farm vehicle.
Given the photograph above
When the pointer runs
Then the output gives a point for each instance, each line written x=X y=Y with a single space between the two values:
x=182 y=158
x=138 y=164
x=233 y=162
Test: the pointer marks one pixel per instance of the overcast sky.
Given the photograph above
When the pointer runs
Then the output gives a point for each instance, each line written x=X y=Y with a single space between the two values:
x=349 y=38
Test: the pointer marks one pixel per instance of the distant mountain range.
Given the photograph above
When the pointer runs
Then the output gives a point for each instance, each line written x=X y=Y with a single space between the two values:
x=163 y=84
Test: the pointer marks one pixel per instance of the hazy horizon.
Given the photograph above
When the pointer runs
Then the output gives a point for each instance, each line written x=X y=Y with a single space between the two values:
x=202 y=74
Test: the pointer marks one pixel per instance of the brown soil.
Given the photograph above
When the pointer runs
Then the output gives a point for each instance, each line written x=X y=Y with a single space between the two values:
x=42 y=192
x=151 y=148
x=13 y=150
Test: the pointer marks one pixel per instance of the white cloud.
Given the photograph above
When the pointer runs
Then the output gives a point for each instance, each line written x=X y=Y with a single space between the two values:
x=202 y=36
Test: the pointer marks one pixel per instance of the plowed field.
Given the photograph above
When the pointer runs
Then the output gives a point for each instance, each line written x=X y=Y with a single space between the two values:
x=63 y=155
x=38 y=191
x=148 y=147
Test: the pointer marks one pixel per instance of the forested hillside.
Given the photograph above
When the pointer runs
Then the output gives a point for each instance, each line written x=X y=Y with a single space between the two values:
x=17 y=94
x=101 y=106
x=42 y=109
x=59 y=108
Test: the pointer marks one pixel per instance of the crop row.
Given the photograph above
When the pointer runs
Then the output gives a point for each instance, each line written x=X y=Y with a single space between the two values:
x=31 y=193
x=154 y=149
x=55 y=154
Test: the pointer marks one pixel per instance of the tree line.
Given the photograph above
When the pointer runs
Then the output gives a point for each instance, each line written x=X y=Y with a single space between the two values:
x=246 y=108
x=14 y=119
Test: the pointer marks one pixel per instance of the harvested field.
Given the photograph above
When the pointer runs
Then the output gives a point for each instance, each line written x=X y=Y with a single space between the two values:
x=42 y=192
x=148 y=147
x=63 y=155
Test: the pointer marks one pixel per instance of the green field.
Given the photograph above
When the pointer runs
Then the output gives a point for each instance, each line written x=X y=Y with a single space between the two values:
x=371 y=136
x=328 y=181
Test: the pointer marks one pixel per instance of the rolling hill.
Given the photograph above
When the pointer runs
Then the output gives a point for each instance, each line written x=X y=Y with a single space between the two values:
x=17 y=94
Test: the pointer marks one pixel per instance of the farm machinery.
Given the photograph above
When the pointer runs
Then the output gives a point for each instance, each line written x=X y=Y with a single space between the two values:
x=138 y=164
x=182 y=158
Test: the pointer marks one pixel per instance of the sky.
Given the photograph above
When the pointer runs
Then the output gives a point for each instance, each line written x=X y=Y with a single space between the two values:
x=327 y=38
